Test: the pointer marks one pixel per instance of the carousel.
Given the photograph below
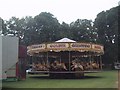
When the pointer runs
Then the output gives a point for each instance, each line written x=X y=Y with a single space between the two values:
x=66 y=58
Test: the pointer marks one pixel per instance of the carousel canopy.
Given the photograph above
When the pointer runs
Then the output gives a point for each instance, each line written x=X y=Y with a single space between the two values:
x=65 y=40
x=66 y=44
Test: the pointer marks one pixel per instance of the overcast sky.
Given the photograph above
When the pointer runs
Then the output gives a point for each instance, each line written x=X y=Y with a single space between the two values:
x=63 y=10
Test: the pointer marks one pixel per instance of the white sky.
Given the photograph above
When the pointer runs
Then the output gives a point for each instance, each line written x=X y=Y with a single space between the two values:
x=63 y=10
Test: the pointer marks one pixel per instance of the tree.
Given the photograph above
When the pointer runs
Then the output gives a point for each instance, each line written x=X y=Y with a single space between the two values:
x=46 y=26
x=83 y=30
x=65 y=31
x=3 y=29
x=107 y=25
x=16 y=27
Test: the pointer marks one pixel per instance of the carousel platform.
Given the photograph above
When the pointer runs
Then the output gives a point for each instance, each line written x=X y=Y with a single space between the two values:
x=68 y=72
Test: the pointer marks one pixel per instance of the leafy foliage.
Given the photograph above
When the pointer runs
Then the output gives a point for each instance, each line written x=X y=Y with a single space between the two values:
x=107 y=25
x=46 y=28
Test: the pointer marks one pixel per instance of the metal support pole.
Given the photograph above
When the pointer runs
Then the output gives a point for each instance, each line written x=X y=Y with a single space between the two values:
x=100 y=63
x=69 y=60
x=90 y=57
x=60 y=57
x=32 y=59
x=47 y=57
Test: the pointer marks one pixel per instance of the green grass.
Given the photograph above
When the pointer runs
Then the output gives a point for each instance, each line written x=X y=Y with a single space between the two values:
x=105 y=79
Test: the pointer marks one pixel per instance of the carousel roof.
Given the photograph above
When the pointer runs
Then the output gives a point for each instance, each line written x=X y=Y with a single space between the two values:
x=65 y=40
x=66 y=44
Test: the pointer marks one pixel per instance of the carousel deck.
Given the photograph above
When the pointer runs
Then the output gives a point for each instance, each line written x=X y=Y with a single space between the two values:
x=48 y=72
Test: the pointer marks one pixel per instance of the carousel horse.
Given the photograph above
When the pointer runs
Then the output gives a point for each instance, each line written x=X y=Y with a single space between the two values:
x=33 y=66
x=47 y=66
x=88 y=66
x=40 y=66
x=63 y=66
x=95 y=65
x=55 y=65
x=77 y=66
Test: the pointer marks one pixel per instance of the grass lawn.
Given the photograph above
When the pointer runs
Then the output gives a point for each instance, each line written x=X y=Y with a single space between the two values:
x=104 y=79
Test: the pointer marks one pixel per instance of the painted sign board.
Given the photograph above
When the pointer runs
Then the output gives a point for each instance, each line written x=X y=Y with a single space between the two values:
x=39 y=46
x=57 y=46
x=78 y=46
x=97 y=47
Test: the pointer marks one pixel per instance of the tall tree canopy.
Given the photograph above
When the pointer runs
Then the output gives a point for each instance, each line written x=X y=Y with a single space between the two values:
x=46 y=28
x=107 y=25
x=83 y=30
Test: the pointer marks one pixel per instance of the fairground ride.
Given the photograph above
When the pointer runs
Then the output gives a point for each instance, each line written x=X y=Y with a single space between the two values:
x=66 y=57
